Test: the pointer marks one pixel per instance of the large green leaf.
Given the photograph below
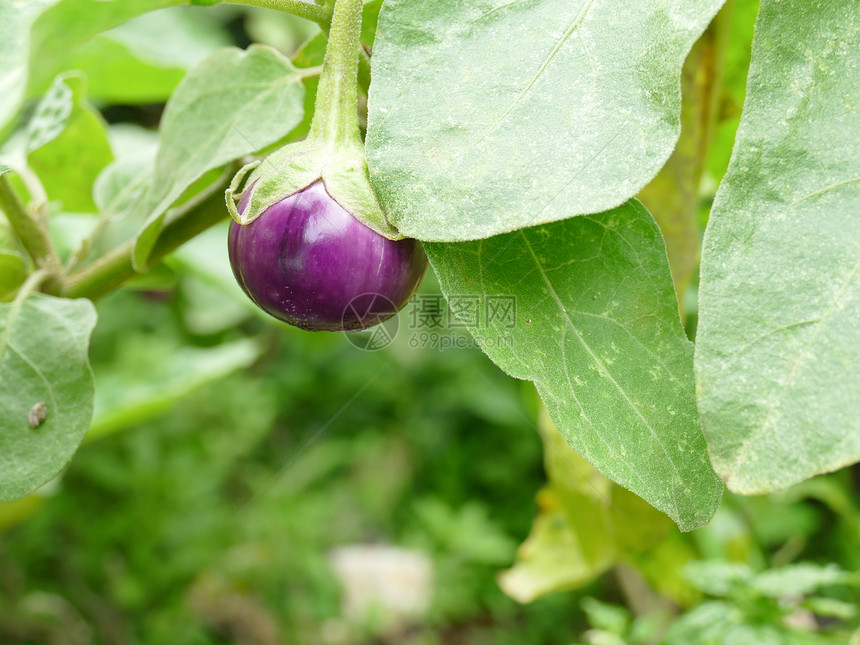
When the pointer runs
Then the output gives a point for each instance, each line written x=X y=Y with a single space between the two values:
x=778 y=348
x=487 y=116
x=235 y=103
x=16 y=20
x=143 y=60
x=43 y=362
x=69 y=23
x=37 y=35
x=597 y=329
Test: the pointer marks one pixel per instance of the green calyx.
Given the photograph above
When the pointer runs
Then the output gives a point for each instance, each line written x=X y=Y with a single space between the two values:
x=333 y=151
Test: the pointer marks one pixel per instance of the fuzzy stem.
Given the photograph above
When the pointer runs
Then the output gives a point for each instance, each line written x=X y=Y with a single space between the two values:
x=114 y=268
x=673 y=195
x=318 y=13
x=32 y=234
x=336 y=111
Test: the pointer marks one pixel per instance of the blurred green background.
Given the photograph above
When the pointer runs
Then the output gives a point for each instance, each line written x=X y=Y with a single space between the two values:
x=232 y=458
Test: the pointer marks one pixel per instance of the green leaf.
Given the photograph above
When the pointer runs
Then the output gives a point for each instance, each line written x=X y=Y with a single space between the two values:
x=68 y=144
x=722 y=623
x=235 y=103
x=798 y=579
x=142 y=61
x=572 y=540
x=43 y=360
x=778 y=347
x=138 y=389
x=369 y=21
x=36 y=36
x=13 y=266
x=116 y=75
x=487 y=116
x=831 y=607
x=13 y=272
x=609 y=618
x=68 y=23
x=718 y=578
x=52 y=114
x=551 y=559
x=585 y=525
x=16 y=20
x=119 y=189
x=597 y=329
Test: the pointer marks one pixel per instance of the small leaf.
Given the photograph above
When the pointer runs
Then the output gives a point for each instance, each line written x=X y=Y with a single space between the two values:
x=51 y=115
x=487 y=116
x=585 y=525
x=551 y=559
x=43 y=359
x=798 y=580
x=831 y=607
x=718 y=578
x=597 y=329
x=778 y=345
x=13 y=272
x=572 y=539
x=127 y=397
x=13 y=266
x=68 y=144
x=235 y=103
x=609 y=618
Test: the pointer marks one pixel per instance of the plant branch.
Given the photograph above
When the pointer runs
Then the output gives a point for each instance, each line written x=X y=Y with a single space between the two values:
x=115 y=267
x=673 y=195
x=336 y=110
x=34 y=237
x=318 y=13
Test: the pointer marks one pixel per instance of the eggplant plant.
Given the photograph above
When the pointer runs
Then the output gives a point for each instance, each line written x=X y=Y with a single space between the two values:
x=550 y=152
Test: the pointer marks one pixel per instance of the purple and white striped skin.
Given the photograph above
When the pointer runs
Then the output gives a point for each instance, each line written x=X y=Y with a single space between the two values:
x=309 y=262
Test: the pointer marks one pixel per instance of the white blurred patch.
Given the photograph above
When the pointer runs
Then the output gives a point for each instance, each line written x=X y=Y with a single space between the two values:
x=385 y=588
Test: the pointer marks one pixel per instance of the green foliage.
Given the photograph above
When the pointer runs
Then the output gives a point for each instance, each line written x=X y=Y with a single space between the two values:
x=204 y=129
x=777 y=357
x=760 y=607
x=37 y=35
x=595 y=307
x=43 y=363
x=17 y=19
x=13 y=266
x=65 y=24
x=143 y=60
x=585 y=525
x=466 y=141
x=402 y=465
x=68 y=144
x=153 y=378
x=204 y=507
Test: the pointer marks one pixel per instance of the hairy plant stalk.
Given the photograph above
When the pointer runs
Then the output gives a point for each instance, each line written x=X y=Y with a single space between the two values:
x=32 y=234
x=336 y=110
x=672 y=197
x=320 y=14
x=114 y=268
